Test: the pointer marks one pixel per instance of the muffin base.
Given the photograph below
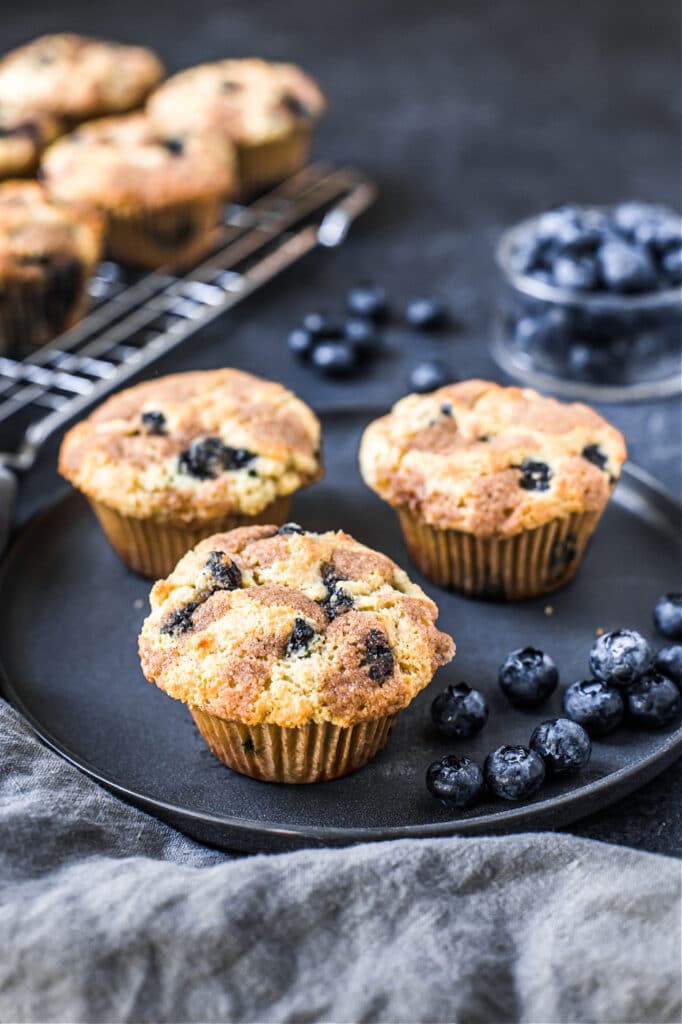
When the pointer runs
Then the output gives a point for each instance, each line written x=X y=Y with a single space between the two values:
x=174 y=235
x=315 y=752
x=32 y=312
x=152 y=547
x=514 y=568
x=270 y=162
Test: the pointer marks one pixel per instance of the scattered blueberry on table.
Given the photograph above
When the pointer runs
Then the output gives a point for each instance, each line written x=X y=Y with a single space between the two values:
x=527 y=677
x=334 y=358
x=595 y=705
x=514 y=773
x=563 y=745
x=368 y=300
x=653 y=701
x=620 y=657
x=426 y=314
x=427 y=376
x=456 y=781
x=668 y=616
x=459 y=712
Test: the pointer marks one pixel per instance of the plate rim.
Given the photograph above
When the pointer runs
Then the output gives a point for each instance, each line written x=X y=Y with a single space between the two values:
x=603 y=792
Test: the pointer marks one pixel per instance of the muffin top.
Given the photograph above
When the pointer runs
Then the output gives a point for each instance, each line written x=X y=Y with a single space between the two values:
x=120 y=162
x=194 y=446
x=24 y=133
x=286 y=627
x=250 y=101
x=35 y=229
x=491 y=460
x=77 y=78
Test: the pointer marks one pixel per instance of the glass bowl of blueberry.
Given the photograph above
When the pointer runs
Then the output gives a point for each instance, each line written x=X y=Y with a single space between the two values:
x=591 y=304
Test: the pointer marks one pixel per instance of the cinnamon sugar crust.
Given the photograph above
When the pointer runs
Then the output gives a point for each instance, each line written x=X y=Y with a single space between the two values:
x=264 y=641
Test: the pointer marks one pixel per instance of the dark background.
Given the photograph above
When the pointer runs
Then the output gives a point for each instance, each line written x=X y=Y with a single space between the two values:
x=469 y=115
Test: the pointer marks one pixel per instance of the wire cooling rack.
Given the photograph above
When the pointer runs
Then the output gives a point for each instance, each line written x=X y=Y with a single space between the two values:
x=136 y=319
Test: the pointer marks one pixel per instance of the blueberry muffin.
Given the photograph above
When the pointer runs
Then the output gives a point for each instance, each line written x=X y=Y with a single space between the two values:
x=76 y=78
x=268 y=111
x=48 y=251
x=294 y=651
x=173 y=460
x=161 y=196
x=24 y=134
x=498 y=490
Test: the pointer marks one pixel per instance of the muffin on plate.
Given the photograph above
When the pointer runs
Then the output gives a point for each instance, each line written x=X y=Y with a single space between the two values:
x=48 y=251
x=269 y=112
x=173 y=460
x=76 y=78
x=162 y=196
x=498 y=490
x=294 y=651
x=24 y=134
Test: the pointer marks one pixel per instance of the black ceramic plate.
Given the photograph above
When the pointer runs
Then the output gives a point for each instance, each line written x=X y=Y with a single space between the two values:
x=68 y=648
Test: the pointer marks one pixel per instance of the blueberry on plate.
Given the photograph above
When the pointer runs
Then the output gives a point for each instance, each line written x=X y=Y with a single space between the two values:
x=620 y=657
x=300 y=342
x=527 y=677
x=575 y=273
x=514 y=773
x=334 y=358
x=653 y=701
x=456 y=781
x=595 y=705
x=668 y=662
x=459 y=712
x=367 y=300
x=362 y=334
x=671 y=265
x=562 y=744
x=427 y=376
x=625 y=267
x=668 y=616
x=426 y=314
x=322 y=326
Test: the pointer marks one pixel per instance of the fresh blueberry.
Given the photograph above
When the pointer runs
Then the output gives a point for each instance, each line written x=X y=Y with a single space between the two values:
x=459 y=712
x=559 y=225
x=334 y=358
x=668 y=616
x=319 y=325
x=455 y=781
x=562 y=744
x=653 y=701
x=535 y=476
x=629 y=217
x=367 y=300
x=626 y=268
x=514 y=773
x=362 y=334
x=427 y=376
x=671 y=264
x=527 y=677
x=577 y=274
x=620 y=657
x=668 y=662
x=595 y=705
x=301 y=342
x=426 y=314
x=527 y=256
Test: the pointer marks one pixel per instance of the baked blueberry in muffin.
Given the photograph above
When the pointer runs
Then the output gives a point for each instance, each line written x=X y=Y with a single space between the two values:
x=24 y=134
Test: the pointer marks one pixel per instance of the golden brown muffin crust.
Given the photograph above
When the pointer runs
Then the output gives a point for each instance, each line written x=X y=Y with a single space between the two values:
x=24 y=134
x=259 y=625
x=491 y=460
x=227 y=441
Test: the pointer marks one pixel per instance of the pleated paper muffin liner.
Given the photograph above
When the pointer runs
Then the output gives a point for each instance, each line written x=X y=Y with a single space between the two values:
x=526 y=565
x=32 y=312
x=268 y=163
x=153 y=547
x=176 y=234
x=315 y=752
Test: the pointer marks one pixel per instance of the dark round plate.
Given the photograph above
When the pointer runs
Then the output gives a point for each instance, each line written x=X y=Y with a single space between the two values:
x=68 y=649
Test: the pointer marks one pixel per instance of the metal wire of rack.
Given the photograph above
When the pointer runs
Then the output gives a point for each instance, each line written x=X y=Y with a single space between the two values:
x=135 y=320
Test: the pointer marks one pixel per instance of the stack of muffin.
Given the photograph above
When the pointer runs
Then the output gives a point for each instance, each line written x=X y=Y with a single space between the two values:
x=145 y=183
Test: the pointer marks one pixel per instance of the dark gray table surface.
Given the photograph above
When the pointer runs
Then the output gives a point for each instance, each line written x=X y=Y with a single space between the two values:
x=469 y=115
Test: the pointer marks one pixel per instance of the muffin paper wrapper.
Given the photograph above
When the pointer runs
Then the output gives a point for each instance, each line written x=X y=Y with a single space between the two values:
x=176 y=234
x=27 y=314
x=531 y=563
x=153 y=547
x=270 y=162
x=315 y=752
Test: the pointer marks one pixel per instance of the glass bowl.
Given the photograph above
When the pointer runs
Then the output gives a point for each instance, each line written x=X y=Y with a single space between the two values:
x=600 y=346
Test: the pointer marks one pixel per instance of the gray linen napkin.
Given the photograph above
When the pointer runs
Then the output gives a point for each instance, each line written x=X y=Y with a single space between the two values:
x=108 y=915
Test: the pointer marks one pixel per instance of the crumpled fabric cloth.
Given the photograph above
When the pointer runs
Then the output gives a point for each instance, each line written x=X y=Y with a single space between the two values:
x=108 y=915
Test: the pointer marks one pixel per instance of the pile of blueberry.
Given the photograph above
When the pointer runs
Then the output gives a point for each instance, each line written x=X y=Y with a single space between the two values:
x=633 y=247
x=338 y=346
x=628 y=682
